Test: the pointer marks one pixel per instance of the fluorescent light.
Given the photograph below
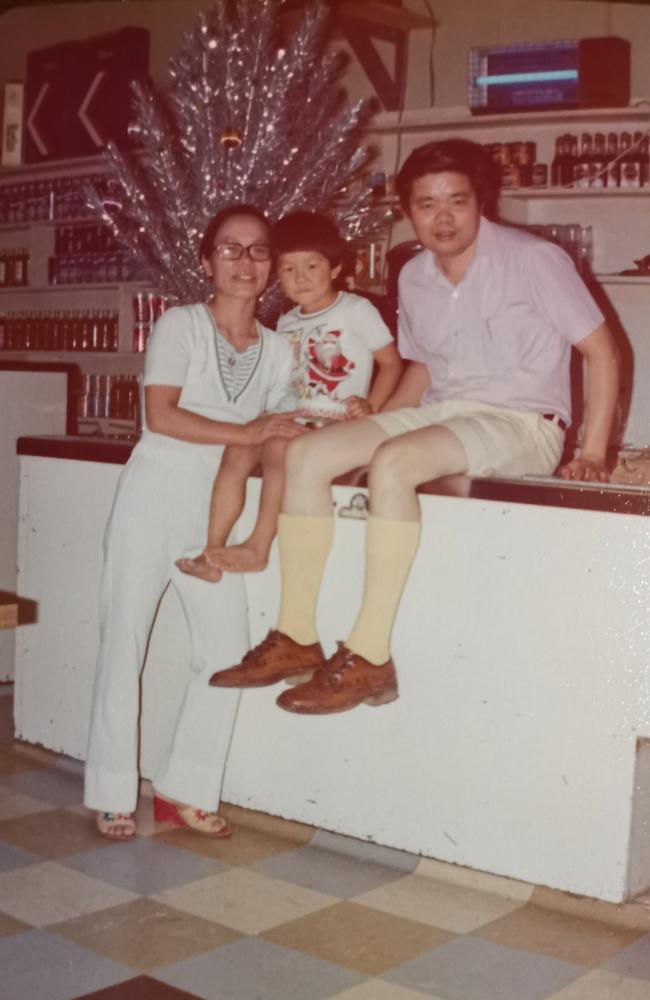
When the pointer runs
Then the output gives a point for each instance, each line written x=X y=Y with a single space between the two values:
x=540 y=77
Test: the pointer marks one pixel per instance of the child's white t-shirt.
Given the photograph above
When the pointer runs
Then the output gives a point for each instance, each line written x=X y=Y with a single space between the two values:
x=333 y=349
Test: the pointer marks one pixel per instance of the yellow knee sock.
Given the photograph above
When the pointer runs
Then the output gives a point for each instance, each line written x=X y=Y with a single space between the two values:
x=304 y=544
x=390 y=548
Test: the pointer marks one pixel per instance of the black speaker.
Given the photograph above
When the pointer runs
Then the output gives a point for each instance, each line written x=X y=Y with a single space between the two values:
x=78 y=94
x=603 y=73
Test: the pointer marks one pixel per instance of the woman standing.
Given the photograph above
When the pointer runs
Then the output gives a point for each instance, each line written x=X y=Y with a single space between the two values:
x=211 y=370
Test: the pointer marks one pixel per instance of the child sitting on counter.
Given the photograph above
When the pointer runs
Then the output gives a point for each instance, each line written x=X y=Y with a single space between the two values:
x=338 y=338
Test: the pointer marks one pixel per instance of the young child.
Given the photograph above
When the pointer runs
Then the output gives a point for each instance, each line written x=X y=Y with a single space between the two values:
x=338 y=338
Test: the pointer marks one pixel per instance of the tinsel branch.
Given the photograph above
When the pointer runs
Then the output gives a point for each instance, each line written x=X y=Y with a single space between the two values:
x=250 y=115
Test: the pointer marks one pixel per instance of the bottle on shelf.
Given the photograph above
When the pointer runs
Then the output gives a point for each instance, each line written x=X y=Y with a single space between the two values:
x=582 y=166
x=54 y=330
x=21 y=267
x=613 y=162
x=598 y=165
x=630 y=163
x=559 y=161
x=14 y=267
x=641 y=151
x=566 y=155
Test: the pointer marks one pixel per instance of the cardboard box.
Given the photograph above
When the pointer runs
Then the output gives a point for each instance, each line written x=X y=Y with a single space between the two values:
x=12 y=125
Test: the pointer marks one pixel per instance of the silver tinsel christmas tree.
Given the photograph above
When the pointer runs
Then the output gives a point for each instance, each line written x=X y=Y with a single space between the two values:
x=250 y=116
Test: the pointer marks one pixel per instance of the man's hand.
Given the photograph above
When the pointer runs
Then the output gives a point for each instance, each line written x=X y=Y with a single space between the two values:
x=271 y=425
x=357 y=407
x=585 y=468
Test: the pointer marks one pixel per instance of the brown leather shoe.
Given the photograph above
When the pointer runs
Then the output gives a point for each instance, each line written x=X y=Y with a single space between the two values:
x=276 y=658
x=344 y=681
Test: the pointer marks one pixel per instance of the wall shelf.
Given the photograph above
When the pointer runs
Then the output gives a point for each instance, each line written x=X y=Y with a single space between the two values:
x=103 y=286
x=548 y=193
x=460 y=119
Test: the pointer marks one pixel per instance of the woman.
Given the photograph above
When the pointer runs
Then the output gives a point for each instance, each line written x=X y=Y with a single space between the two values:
x=211 y=370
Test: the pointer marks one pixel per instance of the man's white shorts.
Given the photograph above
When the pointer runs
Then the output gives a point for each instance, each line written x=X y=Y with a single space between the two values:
x=497 y=440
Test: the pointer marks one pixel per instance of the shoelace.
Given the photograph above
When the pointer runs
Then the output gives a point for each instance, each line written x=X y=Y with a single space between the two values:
x=271 y=640
x=344 y=656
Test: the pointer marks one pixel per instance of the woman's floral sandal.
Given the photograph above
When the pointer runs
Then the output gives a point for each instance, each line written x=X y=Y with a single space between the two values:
x=209 y=824
x=116 y=826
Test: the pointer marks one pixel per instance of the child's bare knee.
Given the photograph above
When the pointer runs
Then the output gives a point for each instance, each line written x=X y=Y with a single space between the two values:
x=240 y=457
x=274 y=452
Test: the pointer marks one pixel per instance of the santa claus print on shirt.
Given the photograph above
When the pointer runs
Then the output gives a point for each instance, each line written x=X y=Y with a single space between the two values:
x=333 y=349
x=327 y=365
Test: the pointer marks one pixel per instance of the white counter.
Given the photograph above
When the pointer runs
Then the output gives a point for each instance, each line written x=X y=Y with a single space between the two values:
x=34 y=399
x=520 y=744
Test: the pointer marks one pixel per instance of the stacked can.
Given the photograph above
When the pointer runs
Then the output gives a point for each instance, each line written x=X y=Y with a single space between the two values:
x=518 y=165
x=148 y=307
x=108 y=396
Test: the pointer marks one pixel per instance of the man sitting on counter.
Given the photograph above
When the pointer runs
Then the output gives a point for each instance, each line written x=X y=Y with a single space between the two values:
x=487 y=318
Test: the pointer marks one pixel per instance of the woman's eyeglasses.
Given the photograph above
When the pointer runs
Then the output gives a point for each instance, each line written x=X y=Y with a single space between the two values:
x=233 y=251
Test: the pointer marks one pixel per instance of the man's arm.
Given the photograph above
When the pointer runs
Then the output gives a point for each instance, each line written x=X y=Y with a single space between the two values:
x=601 y=395
x=410 y=389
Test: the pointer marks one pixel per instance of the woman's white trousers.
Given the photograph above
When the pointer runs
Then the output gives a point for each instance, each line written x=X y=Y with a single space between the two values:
x=160 y=512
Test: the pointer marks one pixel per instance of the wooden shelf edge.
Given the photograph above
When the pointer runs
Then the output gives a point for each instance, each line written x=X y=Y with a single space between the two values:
x=444 y=119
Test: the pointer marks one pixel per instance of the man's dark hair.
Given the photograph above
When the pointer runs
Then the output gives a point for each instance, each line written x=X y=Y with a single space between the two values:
x=456 y=156
x=308 y=231
x=217 y=221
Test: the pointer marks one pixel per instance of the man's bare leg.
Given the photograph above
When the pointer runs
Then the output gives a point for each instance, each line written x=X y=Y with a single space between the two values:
x=226 y=505
x=304 y=474
x=403 y=463
x=314 y=460
x=252 y=555
x=362 y=669
x=306 y=526
x=399 y=466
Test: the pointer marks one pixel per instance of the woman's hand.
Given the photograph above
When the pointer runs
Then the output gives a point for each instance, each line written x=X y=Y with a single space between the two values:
x=271 y=425
x=357 y=407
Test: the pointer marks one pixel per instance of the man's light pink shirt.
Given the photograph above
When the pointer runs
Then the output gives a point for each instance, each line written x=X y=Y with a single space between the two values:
x=503 y=335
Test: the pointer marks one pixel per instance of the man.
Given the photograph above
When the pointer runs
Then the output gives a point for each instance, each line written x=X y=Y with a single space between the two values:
x=487 y=319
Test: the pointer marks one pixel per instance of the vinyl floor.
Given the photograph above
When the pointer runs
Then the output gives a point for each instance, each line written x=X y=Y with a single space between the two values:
x=279 y=912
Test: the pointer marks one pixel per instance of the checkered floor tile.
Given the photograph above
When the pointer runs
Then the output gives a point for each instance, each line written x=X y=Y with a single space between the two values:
x=279 y=912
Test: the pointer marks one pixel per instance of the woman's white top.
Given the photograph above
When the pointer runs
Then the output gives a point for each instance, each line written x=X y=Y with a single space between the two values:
x=187 y=350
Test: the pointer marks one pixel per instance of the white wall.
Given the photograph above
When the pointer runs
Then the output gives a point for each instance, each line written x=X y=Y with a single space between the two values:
x=464 y=23
x=460 y=24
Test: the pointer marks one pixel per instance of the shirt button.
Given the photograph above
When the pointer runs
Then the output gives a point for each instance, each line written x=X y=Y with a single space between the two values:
x=455 y=293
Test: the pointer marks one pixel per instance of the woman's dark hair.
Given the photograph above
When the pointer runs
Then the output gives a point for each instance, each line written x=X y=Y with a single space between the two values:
x=308 y=231
x=217 y=221
x=457 y=156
